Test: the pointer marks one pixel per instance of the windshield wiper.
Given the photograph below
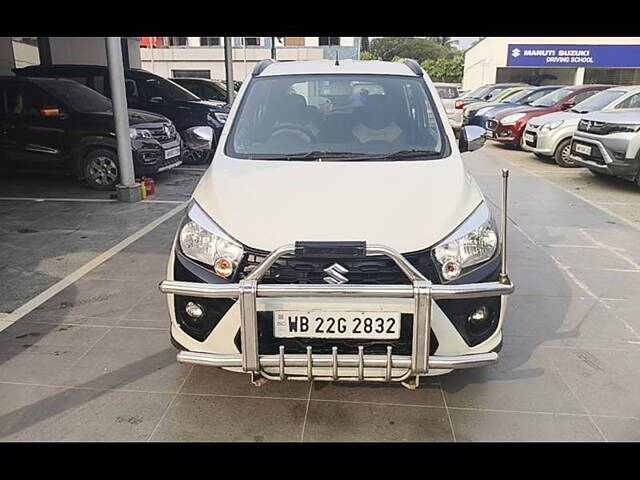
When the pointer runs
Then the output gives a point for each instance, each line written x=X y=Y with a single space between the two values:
x=404 y=154
x=313 y=156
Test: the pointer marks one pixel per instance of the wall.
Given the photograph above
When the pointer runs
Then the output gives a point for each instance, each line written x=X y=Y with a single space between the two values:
x=6 y=56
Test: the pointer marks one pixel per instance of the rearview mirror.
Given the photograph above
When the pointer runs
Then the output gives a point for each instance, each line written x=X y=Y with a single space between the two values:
x=199 y=138
x=471 y=138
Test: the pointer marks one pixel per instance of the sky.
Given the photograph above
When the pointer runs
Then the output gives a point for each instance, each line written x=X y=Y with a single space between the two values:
x=465 y=42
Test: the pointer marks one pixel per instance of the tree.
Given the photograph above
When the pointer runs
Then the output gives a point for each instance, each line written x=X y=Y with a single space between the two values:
x=447 y=42
x=419 y=49
x=445 y=69
x=364 y=44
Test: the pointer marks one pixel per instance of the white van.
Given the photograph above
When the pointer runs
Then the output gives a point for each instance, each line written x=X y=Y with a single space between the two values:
x=339 y=239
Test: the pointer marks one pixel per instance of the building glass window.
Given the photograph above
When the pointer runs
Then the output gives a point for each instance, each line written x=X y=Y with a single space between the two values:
x=191 y=73
x=210 y=41
x=612 y=76
x=252 y=41
x=178 y=41
x=329 y=41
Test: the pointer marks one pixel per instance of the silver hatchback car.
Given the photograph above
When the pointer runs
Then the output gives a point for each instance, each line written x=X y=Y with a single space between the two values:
x=609 y=143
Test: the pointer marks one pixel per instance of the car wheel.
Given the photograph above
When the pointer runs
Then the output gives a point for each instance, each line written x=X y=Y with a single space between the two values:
x=562 y=155
x=197 y=157
x=101 y=170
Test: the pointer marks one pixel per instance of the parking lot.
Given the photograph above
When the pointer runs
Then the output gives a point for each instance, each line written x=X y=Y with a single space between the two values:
x=85 y=352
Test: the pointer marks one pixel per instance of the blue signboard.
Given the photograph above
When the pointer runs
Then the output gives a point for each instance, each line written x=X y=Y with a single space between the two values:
x=553 y=55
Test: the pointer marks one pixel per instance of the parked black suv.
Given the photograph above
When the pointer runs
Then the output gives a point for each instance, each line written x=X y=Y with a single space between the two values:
x=150 y=92
x=59 y=124
x=203 y=88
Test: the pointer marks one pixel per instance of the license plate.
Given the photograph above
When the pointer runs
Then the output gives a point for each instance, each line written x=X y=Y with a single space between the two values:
x=172 y=152
x=584 y=149
x=491 y=133
x=528 y=137
x=309 y=324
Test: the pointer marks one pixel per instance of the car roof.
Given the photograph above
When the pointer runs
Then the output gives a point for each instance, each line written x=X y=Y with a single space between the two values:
x=319 y=67
x=626 y=88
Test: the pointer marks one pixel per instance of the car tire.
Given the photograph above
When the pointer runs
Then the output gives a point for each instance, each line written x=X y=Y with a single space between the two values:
x=562 y=154
x=197 y=157
x=101 y=170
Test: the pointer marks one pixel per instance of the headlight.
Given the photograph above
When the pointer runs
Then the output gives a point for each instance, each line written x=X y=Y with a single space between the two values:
x=622 y=128
x=512 y=119
x=551 y=126
x=202 y=240
x=474 y=242
x=220 y=117
x=139 y=133
x=482 y=111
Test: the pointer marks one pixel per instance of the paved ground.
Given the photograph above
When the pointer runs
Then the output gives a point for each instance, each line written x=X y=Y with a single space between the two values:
x=93 y=362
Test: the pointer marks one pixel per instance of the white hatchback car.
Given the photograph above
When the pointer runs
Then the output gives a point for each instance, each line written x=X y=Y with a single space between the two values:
x=342 y=241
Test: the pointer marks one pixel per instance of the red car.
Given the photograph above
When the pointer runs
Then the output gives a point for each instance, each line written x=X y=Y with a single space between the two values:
x=507 y=125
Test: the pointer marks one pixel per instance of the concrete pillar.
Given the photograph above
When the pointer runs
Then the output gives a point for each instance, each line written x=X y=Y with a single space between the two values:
x=579 y=78
x=128 y=190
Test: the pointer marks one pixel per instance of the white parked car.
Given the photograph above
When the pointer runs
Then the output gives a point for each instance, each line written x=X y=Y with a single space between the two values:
x=449 y=93
x=550 y=135
x=345 y=243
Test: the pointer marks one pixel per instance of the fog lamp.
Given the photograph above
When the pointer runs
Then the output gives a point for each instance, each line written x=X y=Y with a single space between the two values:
x=194 y=310
x=451 y=270
x=223 y=267
x=479 y=320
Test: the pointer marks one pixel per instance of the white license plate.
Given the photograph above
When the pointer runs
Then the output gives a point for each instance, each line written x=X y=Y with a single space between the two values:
x=584 y=149
x=172 y=152
x=528 y=137
x=491 y=133
x=314 y=324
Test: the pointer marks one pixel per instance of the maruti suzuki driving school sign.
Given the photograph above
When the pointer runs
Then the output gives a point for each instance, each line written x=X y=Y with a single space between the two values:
x=553 y=55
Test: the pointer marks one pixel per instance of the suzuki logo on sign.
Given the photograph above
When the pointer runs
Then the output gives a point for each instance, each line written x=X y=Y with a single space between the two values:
x=515 y=53
x=335 y=274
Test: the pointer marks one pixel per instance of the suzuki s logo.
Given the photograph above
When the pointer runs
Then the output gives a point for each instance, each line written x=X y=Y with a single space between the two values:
x=167 y=131
x=336 y=274
x=515 y=53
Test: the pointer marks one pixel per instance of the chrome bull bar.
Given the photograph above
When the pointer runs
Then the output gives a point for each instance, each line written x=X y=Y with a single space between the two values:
x=420 y=289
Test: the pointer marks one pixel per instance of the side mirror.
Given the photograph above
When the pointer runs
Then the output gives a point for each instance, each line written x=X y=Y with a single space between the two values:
x=471 y=138
x=156 y=100
x=568 y=105
x=199 y=138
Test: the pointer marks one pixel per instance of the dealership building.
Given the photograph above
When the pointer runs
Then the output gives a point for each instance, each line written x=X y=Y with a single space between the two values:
x=553 y=60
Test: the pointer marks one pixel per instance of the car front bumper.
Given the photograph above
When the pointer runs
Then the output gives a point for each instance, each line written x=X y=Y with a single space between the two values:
x=607 y=158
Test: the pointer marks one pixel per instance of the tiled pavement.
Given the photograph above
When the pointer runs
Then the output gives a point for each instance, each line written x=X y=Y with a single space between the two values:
x=95 y=363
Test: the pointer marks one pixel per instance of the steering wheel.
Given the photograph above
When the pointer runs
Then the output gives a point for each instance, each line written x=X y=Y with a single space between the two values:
x=301 y=131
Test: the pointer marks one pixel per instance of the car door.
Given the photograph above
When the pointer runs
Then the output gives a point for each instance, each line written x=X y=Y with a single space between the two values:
x=9 y=124
x=42 y=136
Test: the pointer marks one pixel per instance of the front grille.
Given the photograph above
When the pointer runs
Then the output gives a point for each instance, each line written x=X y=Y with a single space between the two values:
x=590 y=126
x=596 y=155
x=374 y=270
x=532 y=126
x=164 y=132
x=492 y=124
x=534 y=142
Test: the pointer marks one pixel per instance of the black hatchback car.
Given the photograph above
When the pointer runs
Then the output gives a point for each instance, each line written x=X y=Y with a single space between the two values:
x=150 y=92
x=59 y=124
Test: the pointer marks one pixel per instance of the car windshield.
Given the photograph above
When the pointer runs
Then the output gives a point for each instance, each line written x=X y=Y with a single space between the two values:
x=337 y=117
x=161 y=87
x=536 y=94
x=478 y=92
x=552 y=98
x=447 y=93
x=77 y=96
x=598 y=101
x=520 y=96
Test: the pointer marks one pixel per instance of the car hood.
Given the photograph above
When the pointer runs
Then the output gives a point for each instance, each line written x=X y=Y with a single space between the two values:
x=407 y=205
x=566 y=117
x=521 y=109
x=206 y=105
x=627 y=115
x=136 y=117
